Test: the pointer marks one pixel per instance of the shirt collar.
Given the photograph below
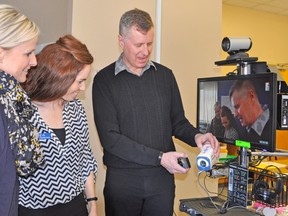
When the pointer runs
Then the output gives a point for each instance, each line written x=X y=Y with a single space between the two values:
x=261 y=121
x=121 y=66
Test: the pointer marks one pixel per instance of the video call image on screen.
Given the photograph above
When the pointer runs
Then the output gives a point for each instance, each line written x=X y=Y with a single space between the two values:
x=239 y=107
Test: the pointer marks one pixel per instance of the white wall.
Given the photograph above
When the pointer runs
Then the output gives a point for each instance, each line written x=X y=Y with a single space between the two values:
x=53 y=17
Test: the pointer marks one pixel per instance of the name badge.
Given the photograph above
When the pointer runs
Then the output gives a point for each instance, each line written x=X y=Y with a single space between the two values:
x=45 y=136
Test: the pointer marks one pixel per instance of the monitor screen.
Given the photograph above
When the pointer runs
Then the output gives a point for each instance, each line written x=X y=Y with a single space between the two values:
x=239 y=109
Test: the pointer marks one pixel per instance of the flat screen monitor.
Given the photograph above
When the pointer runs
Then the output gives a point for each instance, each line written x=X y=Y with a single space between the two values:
x=239 y=109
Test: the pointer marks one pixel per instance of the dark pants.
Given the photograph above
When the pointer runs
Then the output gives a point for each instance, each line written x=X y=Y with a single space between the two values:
x=145 y=192
x=76 y=207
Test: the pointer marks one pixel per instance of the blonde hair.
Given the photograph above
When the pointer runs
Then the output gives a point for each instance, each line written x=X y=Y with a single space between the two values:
x=15 y=28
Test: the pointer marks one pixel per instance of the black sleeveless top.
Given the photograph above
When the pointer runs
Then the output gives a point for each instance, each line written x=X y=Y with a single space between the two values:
x=60 y=133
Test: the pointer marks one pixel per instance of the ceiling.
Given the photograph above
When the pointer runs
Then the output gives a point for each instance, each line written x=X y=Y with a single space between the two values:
x=279 y=7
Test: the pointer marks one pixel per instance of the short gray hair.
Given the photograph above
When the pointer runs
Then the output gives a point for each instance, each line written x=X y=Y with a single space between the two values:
x=242 y=87
x=135 y=17
x=15 y=27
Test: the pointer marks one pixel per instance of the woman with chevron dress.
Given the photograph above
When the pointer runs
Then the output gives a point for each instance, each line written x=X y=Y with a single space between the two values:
x=65 y=185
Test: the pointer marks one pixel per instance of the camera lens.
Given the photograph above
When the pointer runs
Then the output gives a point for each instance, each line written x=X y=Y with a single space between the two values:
x=203 y=163
x=236 y=44
x=226 y=44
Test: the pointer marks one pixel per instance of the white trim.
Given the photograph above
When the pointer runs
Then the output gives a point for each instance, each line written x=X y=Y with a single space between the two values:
x=158 y=31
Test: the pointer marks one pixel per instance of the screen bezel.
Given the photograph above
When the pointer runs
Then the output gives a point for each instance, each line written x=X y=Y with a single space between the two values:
x=272 y=77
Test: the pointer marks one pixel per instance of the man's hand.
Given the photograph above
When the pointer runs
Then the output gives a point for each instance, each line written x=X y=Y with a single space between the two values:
x=170 y=162
x=201 y=139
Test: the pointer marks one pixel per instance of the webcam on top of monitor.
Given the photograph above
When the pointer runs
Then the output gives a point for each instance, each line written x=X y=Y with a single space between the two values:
x=236 y=47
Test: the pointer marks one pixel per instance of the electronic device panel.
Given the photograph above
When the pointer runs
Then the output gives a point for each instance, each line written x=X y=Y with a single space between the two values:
x=248 y=109
x=282 y=114
x=238 y=185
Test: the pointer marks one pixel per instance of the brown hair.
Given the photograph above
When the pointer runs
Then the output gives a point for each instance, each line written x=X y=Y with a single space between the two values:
x=58 y=64
x=225 y=111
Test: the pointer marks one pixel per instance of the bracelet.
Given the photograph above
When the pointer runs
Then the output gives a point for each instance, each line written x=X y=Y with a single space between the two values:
x=160 y=156
x=91 y=199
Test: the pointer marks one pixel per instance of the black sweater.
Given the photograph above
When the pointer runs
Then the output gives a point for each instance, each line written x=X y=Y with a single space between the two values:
x=136 y=117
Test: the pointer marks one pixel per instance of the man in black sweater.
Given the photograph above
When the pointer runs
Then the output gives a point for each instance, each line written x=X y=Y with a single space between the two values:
x=137 y=110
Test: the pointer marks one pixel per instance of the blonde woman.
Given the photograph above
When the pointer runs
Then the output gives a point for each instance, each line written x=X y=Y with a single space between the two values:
x=18 y=39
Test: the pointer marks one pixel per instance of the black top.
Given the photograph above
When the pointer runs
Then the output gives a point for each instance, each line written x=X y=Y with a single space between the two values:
x=8 y=175
x=216 y=127
x=136 y=117
x=60 y=133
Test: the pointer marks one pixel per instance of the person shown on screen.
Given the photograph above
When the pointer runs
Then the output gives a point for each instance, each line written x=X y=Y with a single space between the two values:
x=137 y=110
x=249 y=111
x=60 y=188
x=228 y=121
x=216 y=127
x=21 y=153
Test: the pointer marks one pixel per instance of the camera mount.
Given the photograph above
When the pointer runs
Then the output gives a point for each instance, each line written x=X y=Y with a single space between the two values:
x=237 y=47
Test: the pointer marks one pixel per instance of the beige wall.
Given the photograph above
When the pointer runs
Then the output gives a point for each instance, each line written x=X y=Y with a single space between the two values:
x=191 y=37
x=191 y=43
x=267 y=31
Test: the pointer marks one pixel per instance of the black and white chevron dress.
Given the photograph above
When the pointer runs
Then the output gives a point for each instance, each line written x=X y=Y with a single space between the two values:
x=66 y=166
